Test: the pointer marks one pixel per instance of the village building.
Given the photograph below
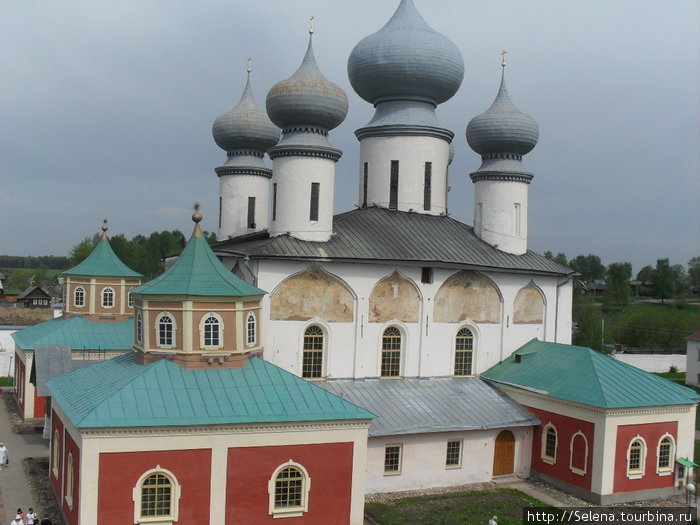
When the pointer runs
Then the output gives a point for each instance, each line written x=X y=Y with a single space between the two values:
x=692 y=356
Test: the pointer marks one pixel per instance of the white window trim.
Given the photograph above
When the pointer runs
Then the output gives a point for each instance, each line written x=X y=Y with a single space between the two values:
x=102 y=297
x=637 y=474
x=248 y=342
x=136 y=494
x=157 y=327
x=139 y=328
x=571 y=454
x=129 y=299
x=402 y=350
x=666 y=471
x=70 y=481
x=55 y=453
x=461 y=454
x=289 y=512
x=75 y=298
x=201 y=331
x=393 y=472
x=454 y=350
x=324 y=355
x=551 y=460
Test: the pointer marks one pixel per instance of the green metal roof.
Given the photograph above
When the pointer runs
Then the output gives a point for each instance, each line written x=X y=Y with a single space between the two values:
x=78 y=333
x=103 y=262
x=122 y=393
x=197 y=271
x=582 y=375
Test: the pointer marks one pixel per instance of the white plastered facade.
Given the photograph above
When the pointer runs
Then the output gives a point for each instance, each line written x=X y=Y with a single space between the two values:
x=500 y=214
x=234 y=191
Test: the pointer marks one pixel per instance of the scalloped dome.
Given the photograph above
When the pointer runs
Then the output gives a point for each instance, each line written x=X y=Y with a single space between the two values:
x=307 y=98
x=406 y=59
x=246 y=126
x=502 y=128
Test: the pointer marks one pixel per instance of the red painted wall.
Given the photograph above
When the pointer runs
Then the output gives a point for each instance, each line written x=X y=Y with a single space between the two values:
x=566 y=428
x=652 y=433
x=56 y=481
x=249 y=470
x=120 y=471
x=39 y=405
x=70 y=447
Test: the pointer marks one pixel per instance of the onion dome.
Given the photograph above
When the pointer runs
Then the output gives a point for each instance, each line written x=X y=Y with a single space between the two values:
x=307 y=98
x=245 y=127
x=502 y=128
x=406 y=59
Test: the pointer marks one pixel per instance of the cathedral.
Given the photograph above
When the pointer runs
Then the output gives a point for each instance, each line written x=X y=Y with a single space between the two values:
x=310 y=357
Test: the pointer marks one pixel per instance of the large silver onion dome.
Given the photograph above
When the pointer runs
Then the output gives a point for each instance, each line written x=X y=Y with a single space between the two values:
x=307 y=98
x=406 y=59
x=502 y=128
x=246 y=126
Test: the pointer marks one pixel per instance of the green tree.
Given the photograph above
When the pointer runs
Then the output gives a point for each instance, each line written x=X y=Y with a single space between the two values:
x=646 y=274
x=589 y=266
x=589 y=328
x=558 y=258
x=617 y=290
x=664 y=280
x=80 y=251
x=694 y=273
x=21 y=278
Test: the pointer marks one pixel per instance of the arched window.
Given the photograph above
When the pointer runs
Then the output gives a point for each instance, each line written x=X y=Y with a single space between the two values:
x=391 y=353
x=665 y=454
x=578 y=453
x=79 y=297
x=250 y=329
x=464 y=348
x=69 y=481
x=211 y=331
x=139 y=328
x=156 y=497
x=107 y=297
x=312 y=356
x=55 y=453
x=166 y=330
x=549 y=444
x=636 y=457
x=289 y=490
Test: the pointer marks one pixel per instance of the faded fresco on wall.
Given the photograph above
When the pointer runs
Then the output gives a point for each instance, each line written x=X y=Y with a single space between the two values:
x=528 y=307
x=313 y=293
x=467 y=295
x=394 y=297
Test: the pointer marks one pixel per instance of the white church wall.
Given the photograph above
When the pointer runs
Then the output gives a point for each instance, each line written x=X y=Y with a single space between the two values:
x=501 y=214
x=234 y=191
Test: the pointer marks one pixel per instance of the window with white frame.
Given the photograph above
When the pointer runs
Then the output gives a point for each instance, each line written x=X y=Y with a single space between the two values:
x=108 y=297
x=665 y=453
x=165 y=324
x=392 y=459
x=391 y=353
x=288 y=491
x=312 y=353
x=70 y=480
x=549 y=444
x=55 y=453
x=578 y=453
x=453 y=455
x=130 y=299
x=139 y=328
x=464 y=351
x=251 y=335
x=79 y=297
x=636 y=457
x=156 y=497
x=210 y=329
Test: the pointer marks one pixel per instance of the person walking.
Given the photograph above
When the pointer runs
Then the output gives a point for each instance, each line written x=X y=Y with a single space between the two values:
x=17 y=520
x=4 y=458
x=32 y=518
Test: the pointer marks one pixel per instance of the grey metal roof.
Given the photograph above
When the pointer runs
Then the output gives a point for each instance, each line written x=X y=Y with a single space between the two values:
x=414 y=406
x=369 y=235
x=52 y=361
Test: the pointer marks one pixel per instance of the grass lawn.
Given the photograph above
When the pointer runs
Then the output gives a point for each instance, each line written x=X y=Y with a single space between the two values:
x=456 y=508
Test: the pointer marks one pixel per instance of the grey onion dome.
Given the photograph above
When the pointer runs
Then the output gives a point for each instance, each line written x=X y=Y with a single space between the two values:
x=307 y=98
x=406 y=59
x=502 y=128
x=246 y=126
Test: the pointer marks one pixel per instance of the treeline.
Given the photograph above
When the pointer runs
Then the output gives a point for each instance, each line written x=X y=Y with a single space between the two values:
x=55 y=262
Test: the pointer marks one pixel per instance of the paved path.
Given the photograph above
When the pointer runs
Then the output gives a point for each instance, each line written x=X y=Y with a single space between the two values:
x=14 y=486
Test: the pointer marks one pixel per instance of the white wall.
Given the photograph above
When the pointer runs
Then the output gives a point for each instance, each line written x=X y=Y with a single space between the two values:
x=655 y=363
x=692 y=363
x=7 y=351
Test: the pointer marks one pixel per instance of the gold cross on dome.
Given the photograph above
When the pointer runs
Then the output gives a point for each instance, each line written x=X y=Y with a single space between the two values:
x=250 y=64
x=503 y=60
x=311 y=25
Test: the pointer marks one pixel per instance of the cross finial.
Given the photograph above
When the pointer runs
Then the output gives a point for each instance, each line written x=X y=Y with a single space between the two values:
x=503 y=59
x=250 y=64
x=311 y=25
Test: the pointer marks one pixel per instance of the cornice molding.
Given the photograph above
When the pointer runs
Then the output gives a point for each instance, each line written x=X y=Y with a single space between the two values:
x=404 y=130
x=502 y=176
x=230 y=170
x=305 y=151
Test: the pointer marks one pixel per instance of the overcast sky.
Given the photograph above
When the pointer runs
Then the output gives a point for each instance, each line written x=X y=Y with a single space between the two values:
x=106 y=111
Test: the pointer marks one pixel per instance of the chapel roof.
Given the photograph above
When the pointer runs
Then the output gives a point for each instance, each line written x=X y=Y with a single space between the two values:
x=103 y=262
x=78 y=333
x=582 y=375
x=121 y=392
x=374 y=234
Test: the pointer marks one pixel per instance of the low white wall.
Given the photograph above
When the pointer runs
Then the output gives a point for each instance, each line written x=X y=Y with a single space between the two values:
x=7 y=352
x=654 y=363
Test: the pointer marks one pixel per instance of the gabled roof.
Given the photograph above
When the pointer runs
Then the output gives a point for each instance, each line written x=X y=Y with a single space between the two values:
x=103 y=262
x=582 y=375
x=368 y=235
x=122 y=393
x=413 y=406
x=197 y=271
x=78 y=333
x=33 y=291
